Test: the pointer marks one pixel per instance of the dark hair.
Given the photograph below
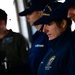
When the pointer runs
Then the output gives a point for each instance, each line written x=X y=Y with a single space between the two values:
x=3 y=15
x=69 y=22
x=72 y=6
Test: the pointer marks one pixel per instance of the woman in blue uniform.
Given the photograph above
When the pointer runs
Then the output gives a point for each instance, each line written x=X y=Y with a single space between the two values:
x=60 y=58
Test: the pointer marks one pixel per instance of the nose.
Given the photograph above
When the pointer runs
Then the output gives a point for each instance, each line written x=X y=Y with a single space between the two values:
x=70 y=14
x=45 y=29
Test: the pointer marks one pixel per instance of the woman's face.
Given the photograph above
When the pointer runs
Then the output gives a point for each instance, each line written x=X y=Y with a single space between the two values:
x=52 y=30
x=31 y=18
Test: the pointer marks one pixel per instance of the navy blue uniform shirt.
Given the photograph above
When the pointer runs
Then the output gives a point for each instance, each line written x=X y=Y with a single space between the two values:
x=60 y=58
x=37 y=51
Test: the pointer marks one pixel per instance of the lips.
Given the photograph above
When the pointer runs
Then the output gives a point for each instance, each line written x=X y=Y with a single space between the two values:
x=49 y=35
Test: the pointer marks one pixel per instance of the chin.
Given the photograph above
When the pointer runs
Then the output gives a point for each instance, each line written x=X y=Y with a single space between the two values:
x=31 y=24
x=51 y=38
x=74 y=20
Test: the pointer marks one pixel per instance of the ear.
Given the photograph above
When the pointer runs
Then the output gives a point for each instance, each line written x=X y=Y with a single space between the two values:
x=40 y=13
x=64 y=23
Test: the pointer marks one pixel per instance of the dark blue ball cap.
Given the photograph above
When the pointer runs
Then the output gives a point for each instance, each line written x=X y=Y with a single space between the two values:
x=67 y=4
x=33 y=5
x=49 y=14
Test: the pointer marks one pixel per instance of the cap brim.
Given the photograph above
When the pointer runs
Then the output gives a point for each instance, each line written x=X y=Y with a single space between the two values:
x=43 y=20
x=67 y=4
x=25 y=12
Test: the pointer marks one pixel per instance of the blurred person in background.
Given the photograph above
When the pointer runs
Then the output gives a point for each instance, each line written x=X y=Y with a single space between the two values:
x=70 y=6
x=71 y=13
x=13 y=49
x=71 y=10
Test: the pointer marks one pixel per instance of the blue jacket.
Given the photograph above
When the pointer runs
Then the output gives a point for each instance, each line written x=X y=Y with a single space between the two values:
x=37 y=51
x=60 y=58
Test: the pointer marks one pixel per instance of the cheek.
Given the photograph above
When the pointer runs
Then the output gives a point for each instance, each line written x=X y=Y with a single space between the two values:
x=59 y=32
x=35 y=18
x=71 y=13
x=56 y=32
x=28 y=18
x=32 y=18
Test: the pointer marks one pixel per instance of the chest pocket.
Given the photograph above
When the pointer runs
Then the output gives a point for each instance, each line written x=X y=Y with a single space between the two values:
x=9 y=46
x=7 y=43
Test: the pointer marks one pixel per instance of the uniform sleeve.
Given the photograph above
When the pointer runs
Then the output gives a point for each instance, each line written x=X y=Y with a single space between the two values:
x=23 y=48
x=70 y=62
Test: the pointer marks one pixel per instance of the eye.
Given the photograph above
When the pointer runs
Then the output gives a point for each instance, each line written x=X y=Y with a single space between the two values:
x=49 y=24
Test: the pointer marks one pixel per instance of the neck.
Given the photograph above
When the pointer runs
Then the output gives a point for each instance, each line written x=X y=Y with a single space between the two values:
x=38 y=27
